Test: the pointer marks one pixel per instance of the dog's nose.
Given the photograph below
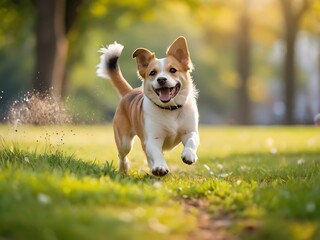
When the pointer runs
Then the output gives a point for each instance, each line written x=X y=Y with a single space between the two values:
x=161 y=81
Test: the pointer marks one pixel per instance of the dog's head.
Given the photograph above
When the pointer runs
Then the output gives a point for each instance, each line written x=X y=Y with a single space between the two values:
x=167 y=81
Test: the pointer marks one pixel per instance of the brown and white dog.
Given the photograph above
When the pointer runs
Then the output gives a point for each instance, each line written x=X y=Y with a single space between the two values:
x=162 y=112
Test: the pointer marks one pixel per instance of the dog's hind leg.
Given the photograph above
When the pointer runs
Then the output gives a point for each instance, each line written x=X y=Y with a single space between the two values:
x=124 y=139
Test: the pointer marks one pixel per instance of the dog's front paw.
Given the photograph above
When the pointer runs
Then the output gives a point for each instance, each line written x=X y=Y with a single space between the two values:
x=189 y=156
x=160 y=171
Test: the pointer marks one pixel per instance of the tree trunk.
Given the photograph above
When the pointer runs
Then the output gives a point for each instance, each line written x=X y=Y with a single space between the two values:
x=72 y=7
x=45 y=47
x=243 y=63
x=60 y=60
x=291 y=16
x=318 y=74
x=289 y=75
x=52 y=47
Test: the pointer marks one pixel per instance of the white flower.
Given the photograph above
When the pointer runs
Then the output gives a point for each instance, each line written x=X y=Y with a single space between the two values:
x=44 y=198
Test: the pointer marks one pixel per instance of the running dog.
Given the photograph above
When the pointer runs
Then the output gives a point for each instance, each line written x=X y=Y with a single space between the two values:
x=162 y=112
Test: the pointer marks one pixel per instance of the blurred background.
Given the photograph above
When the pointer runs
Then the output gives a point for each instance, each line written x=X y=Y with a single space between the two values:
x=256 y=62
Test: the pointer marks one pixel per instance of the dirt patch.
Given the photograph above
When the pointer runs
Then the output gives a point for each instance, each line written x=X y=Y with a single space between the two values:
x=38 y=109
x=210 y=227
x=207 y=226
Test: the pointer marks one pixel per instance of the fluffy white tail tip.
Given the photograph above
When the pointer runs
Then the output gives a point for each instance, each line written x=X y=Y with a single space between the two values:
x=111 y=51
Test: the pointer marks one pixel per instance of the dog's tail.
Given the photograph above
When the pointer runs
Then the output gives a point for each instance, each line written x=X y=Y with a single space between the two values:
x=109 y=68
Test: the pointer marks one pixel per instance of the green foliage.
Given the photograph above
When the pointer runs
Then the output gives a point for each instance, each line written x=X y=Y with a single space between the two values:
x=47 y=191
x=211 y=30
x=68 y=198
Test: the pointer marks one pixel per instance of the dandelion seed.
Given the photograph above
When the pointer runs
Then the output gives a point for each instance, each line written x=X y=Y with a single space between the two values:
x=310 y=207
x=273 y=150
x=300 y=161
x=44 y=198
x=220 y=166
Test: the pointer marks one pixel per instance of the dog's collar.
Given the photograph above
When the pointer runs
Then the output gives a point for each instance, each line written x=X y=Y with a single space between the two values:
x=171 y=108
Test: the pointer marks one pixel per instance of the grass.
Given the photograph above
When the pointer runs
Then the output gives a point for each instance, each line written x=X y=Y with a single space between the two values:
x=62 y=182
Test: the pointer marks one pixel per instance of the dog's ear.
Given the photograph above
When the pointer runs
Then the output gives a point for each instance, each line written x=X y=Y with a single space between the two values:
x=179 y=50
x=143 y=57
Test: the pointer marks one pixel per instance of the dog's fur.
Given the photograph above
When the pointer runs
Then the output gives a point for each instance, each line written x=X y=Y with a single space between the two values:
x=162 y=112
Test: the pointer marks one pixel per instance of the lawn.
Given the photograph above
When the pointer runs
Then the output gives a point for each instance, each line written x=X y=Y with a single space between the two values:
x=61 y=182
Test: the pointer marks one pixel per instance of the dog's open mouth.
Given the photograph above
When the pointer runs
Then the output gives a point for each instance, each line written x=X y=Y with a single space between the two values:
x=166 y=94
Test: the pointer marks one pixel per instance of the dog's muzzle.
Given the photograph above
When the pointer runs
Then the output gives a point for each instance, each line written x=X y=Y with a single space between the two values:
x=166 y=94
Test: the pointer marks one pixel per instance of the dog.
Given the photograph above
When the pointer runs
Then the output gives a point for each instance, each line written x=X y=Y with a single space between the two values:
x=162 y=112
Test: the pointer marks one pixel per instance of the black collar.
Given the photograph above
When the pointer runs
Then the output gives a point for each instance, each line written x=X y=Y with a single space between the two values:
x=171 y=108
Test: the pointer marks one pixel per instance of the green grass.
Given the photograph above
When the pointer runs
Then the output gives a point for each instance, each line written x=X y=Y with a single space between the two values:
x=62 y=182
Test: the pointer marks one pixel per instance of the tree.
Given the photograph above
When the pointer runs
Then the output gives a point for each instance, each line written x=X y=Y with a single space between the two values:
x=240 y=28
x=243 y=66
x=54 y=20
x=292 y=15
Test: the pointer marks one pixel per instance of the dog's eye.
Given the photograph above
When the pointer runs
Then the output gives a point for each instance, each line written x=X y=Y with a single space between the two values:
x=173 y=70
x=153 y=73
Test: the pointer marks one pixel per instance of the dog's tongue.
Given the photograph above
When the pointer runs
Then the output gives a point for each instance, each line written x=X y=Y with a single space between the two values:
x=164 y=94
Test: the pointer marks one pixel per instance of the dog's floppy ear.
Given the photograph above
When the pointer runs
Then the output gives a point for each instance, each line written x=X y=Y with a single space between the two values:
x=179 y=50
x=143 y=57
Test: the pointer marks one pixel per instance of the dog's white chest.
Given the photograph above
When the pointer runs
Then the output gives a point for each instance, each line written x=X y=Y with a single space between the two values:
x=166 y=126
